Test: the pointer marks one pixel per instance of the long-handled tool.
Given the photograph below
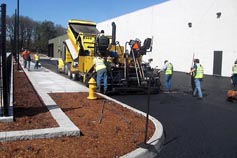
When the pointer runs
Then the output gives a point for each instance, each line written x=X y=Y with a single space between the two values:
x=113 y=109
x=102 y=111
x=191 y=74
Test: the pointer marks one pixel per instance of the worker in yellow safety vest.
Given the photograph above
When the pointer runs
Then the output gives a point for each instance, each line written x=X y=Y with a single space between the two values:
x=101 y=70
x=36 y=58
x=168 y=69
x=198 y=72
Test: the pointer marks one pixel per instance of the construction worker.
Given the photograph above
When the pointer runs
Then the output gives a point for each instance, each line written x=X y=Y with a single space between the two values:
x=101 y=70
x=109 y=62
x=36 y=58
x=102 y=43
x=112 y=58
x=168 y=69
x=197 y=71
x=24 y=54
x=234 y=74
x=192 y=74
x=28 y=59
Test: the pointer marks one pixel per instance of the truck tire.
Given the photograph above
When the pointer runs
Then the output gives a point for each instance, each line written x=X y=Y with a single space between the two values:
x=74 y=76
x=66 y=68
x=69 y=74
x=80 y=78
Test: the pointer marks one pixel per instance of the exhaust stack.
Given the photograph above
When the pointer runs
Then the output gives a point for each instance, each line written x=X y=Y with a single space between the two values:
x=113 y=33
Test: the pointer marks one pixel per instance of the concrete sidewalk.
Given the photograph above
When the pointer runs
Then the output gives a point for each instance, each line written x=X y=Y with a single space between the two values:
x=45 y=81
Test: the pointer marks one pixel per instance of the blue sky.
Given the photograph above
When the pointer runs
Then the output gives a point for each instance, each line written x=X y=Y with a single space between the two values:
x=60 y=11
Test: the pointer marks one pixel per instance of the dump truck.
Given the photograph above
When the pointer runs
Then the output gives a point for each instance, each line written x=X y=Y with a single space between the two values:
x=127 y=72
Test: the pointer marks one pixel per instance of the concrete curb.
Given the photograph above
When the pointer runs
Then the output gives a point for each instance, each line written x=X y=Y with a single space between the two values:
x=37 y=133
x=153 y=145
x=67 y=128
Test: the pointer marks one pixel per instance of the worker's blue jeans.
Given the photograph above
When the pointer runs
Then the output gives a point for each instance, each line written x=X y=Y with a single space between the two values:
x=197 y=87
x=234 y=79
x=28 y=63
x=36 y=64
x=25 y=63
x=102 y=74
x=168 y=82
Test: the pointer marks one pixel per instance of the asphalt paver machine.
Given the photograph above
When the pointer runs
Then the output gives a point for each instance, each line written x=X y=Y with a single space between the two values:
x=127 y=72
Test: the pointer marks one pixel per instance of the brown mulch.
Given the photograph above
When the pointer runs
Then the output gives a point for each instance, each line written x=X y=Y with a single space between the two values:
x=107 y=129
x=29 y=111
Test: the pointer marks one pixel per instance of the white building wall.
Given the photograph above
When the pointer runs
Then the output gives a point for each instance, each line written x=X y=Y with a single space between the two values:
x=173 y=40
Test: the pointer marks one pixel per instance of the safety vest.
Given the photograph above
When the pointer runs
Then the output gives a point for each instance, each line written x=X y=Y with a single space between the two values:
x=99 y=63
x=169 y=69
x=36 y=57
x=199 y=71
x=234 y=69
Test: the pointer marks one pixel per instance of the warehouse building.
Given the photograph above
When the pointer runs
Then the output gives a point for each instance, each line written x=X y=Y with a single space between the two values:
x=183 y=30
x=55 y=46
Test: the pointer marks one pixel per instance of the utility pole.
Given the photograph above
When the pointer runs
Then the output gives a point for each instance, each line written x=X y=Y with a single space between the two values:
x=17 y=32
x=148 y=109
x=144 y=144
x=15 y=51
x=4 y=62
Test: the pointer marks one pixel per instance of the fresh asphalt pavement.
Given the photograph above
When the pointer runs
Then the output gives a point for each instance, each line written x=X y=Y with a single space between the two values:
x=193 y=128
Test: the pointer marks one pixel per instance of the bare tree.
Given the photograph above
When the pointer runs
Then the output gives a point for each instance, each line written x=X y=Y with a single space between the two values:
x=10 y=28
x=26 y=30
x=32 y=34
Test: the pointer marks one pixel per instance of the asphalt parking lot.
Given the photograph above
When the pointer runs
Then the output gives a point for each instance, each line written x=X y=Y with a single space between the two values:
x=194 y=128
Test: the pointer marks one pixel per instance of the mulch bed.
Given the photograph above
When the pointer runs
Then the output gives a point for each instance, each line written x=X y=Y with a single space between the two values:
x=107 y=129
